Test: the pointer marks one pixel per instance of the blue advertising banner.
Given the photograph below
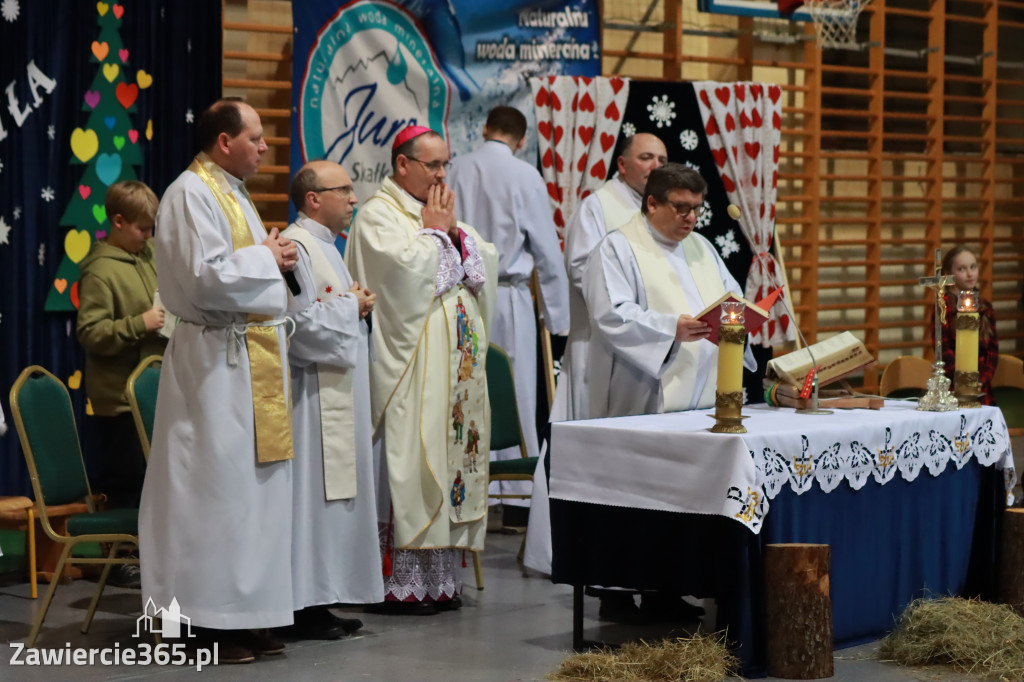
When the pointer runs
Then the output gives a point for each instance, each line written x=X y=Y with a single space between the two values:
x=364 y=71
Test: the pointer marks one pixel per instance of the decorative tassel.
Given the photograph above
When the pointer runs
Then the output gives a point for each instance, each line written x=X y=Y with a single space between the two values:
x=386 y=561
x=387 y=565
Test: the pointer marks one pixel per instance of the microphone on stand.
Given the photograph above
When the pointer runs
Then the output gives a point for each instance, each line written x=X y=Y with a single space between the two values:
x=734 y=212
x=292 y=282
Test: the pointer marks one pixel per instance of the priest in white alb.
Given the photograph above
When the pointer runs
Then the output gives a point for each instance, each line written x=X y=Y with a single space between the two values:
x=435 y=281
x=215 y=520
x=643 y=286
x=335 y=555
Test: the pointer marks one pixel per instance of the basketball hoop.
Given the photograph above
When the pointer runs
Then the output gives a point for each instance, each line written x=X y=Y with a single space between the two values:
x=835 y=21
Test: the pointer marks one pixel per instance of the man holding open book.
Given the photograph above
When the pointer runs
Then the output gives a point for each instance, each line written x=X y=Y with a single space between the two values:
x=645 y=285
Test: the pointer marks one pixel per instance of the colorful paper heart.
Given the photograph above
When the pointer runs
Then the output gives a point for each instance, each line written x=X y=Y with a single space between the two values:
x=126 y=94
x=85 y=191
x=99 y=213
x=84 y=144
x=76 y=244
x=88 y=403
x=75 y=380
x=119 y=142
x=60 y=285
x=101 y=234
x=102 y=8
x=92 y=98
x=110 y=72
x=133 y=135
x=74 y=294
x=144 y=79
x=149 y=129
x=123 y=54
x=118 y=11
x=110 y=122
x=100 y=50
x=108 y=168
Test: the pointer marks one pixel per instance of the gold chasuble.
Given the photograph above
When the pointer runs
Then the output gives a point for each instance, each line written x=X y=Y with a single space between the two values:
x=665 y=295
x=271 y=412
x=428 y=384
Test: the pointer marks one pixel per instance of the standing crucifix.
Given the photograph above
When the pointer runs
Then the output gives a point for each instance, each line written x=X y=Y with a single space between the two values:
x=938 y=398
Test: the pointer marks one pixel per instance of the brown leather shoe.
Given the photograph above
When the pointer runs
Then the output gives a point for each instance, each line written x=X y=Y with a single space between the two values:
x=261 y=643
x=233 y=652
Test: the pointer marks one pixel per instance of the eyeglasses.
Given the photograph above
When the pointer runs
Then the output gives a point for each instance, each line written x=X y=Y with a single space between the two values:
x=684 y=209
x=344 y=190
x=433 y=166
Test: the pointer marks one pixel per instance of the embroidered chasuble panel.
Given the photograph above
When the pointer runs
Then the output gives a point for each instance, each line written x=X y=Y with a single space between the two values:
x=469 y=435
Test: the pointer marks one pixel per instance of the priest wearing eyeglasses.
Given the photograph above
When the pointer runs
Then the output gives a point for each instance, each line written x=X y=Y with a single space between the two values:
x=643 y=285
x=435 y=279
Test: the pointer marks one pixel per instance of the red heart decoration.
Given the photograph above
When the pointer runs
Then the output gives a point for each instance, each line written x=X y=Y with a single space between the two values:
x=74 y=295
x=762 y=215
x=118 y=12
x=542 y=98
x=582 y=165
x=776 y=121
x=586 y=104
x=720 y=157
x=755 y=91
x=774 y=92
x=730 y=124
x=558 y=133
x=607 y=140
x=123 y=54
x=559 y=220
x=704 y=98
x=752 y=149
x=556 y=103
x=712 y=127
x=755 y=119
x=727 y=182
x=775 y=182
x=771 y=328
x=744 y=121
x=558 y=162
x=586 y=134
x=585 y=194
x=735 y=154
x=599 y=170
x=741 y=92
x=616 y=84
x=127 y=94
x=612 y=112
x=753 y=179
x=544 y=128
x=85 y=191
x=575 y=100
x=784 y=321
x=772 y=215
x=547 y=160
x=722 y=94
x=133 y=135
x=586 y=79
x=555 y=192
x=775 y=154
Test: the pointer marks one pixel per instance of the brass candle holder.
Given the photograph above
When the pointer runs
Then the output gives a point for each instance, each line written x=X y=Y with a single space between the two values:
x=732 y=338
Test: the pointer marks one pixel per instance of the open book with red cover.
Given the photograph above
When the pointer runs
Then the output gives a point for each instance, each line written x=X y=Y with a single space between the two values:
x=754 y=314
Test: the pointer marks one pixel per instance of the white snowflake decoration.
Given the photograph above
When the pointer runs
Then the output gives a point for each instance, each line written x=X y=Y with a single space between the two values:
x=689 y=140
x=5 y=230
x=628 y=130
x=1 y=166
x=727 y=244
x=746 y=400
x=10 y=10
x=662 y=111
x=705 y=218
x=42 y=254
x=51 y=132
x=47 y=194
x=17 y=212
x=189 y=117
x=691 y=164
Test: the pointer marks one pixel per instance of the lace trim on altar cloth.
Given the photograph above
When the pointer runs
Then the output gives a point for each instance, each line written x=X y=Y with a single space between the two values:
x=421 y=574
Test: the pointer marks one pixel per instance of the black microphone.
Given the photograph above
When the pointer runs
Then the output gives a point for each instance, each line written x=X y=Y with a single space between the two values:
x=292 y=282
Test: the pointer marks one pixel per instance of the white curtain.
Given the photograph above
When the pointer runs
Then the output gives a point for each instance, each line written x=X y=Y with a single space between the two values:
x=743 y=123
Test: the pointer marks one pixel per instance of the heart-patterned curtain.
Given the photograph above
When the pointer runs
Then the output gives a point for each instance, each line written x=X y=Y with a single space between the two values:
x=578 y=121
x=743 y=124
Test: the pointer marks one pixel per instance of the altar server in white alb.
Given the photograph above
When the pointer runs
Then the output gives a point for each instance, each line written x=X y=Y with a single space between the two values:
x=505 y=199
x=215 y=523
x=435 y=281
x=610 y=207
x=335 y=556
x=643 y=285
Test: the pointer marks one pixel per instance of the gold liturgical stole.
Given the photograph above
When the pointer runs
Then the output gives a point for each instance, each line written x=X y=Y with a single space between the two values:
x=271 y=411
x=665 y=295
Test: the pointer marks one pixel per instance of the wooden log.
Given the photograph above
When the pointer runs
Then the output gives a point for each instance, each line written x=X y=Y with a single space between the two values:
x=798 y=611
x=1011 y=562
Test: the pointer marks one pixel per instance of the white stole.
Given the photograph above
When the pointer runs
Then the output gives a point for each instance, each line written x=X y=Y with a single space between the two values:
x=337 y=405
x=665 y=295
x=617 y=211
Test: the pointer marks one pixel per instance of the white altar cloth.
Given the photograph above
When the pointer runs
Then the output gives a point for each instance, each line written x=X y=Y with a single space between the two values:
x=671 y=462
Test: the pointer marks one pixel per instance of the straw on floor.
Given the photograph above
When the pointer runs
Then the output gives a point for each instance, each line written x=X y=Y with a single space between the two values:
x=701 y=658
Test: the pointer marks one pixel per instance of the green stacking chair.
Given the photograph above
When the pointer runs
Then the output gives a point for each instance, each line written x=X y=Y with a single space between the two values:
x=506 y=432
x=46 y=426
x=142 y=388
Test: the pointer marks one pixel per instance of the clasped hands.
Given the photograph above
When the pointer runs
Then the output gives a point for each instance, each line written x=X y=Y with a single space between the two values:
x=365 y=297
x=286 y=253
x=439 y=211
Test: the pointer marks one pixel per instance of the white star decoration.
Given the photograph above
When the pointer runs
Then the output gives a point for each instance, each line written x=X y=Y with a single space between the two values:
x=10 y=10
x=5 y=230
x=51 y=132
x=42 y=254
x=17 y=212
x=47 y=194
x=727 y=244
x=188 y=116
